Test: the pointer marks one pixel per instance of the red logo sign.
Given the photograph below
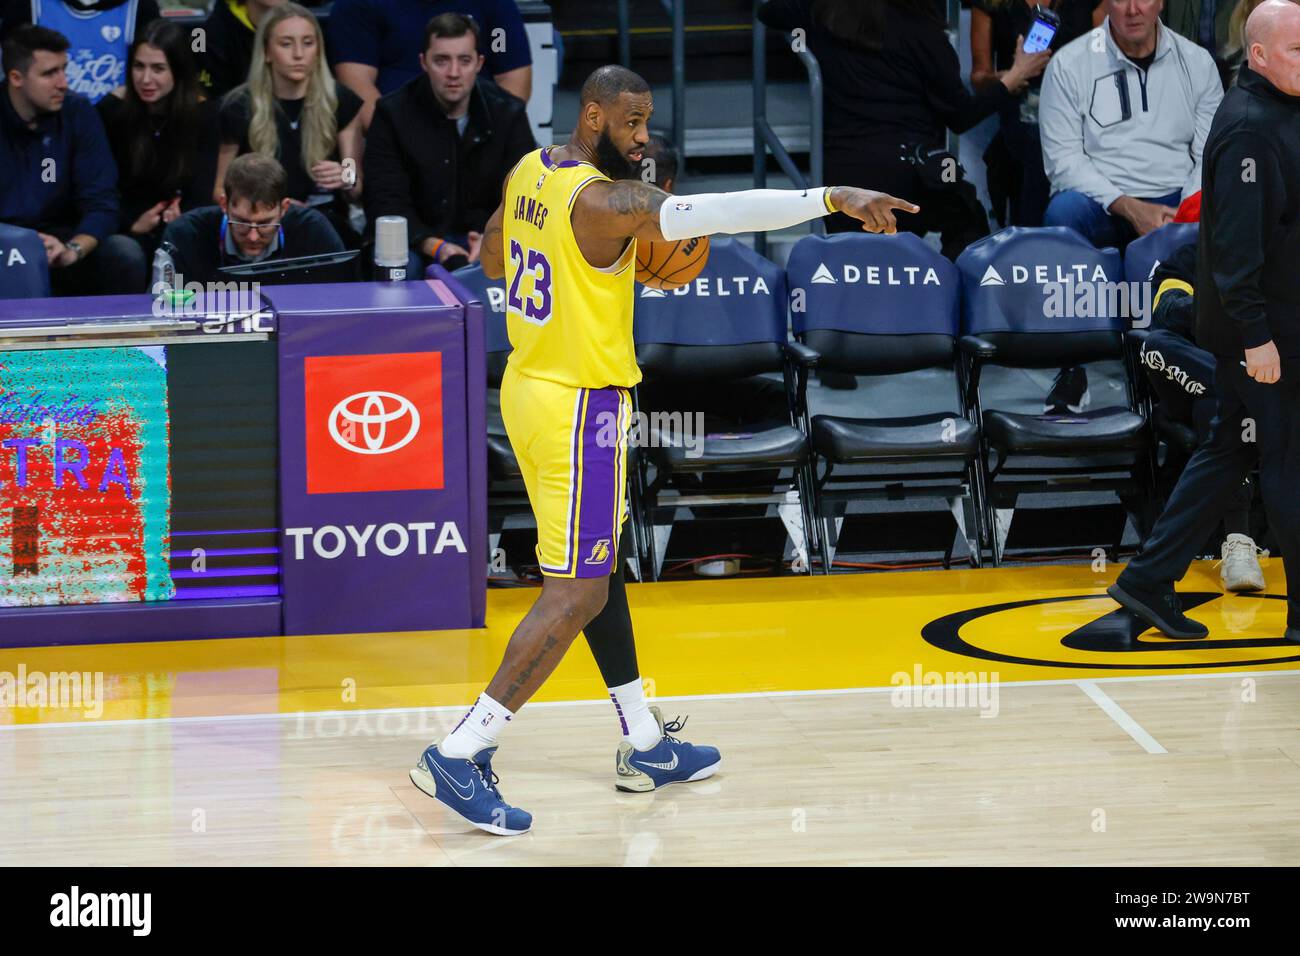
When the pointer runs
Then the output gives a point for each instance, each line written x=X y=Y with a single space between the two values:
x=374 y=422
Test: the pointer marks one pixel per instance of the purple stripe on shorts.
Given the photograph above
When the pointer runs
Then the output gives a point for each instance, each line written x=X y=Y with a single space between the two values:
x=602 y=448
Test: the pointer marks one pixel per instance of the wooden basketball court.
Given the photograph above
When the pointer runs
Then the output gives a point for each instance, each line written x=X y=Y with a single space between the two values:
x=998 y=716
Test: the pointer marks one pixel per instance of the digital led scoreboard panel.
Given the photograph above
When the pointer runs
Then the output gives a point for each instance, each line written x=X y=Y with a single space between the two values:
x=138 y=473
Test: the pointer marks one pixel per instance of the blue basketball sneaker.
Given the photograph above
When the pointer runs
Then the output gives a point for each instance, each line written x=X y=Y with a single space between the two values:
x=469 y=787
x=669 y=761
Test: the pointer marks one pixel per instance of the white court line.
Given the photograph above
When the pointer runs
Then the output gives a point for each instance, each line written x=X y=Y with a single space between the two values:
x=460 y=708
x=1121 y=717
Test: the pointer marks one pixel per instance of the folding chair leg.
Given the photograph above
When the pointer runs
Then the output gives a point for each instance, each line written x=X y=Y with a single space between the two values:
x=814 y=533
x=989 y=519
x=974 y=502
x=828 y=556
x=793 y=516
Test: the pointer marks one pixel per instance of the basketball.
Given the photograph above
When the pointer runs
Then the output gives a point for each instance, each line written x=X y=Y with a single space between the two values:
x=667 y=265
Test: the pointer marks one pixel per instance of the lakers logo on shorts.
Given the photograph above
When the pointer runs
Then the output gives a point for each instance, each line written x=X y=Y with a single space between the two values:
x=599 y=552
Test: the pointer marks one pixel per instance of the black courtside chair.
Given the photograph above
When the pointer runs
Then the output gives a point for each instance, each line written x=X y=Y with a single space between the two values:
x=886 y=306
x=721 y=330
x=1025 y=306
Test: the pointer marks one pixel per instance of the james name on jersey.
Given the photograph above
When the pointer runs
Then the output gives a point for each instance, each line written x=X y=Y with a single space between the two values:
x=530 y=211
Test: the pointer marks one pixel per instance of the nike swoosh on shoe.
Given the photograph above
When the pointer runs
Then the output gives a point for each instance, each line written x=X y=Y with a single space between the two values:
x=460 y=791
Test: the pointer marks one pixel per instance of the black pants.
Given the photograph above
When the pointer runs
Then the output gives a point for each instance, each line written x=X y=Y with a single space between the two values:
x=1029 y=200
x=955 y=212
x=1251 y=420
x=116 y=267
x=1182 y=376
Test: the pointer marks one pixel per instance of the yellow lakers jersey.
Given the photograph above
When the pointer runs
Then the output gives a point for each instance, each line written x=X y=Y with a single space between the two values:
x=568 y=321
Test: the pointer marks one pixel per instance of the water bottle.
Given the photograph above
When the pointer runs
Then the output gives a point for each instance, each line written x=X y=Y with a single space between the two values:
x=164 y=272
x=166 y=296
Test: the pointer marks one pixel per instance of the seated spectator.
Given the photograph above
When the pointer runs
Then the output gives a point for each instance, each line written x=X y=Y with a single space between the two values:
x=441 y=146
x=893 y=87
x=374 y=43
x=99 y=34
x=1124 y=115
x=995 y=32
x=228 y=35
x=255 y=222
x=291 y=109
x=1182 y=376
x=57 y=174
x=162 y=135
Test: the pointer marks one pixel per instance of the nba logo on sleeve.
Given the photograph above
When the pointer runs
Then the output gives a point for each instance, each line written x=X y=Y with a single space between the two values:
x=374 y=422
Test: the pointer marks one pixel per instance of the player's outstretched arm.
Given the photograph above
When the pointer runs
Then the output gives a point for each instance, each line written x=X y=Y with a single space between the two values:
x=491 y=253
x=630 y=208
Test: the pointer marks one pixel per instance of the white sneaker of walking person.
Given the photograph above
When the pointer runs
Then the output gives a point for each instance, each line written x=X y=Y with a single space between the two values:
x=1239 y=569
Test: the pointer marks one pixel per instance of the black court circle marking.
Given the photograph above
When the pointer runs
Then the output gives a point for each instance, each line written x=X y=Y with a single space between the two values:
x=1112 y=633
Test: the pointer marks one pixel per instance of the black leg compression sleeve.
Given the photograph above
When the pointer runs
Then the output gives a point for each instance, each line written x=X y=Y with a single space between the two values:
x=609 y=635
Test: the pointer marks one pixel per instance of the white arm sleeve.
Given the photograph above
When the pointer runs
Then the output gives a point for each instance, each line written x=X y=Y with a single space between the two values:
x=751 y=210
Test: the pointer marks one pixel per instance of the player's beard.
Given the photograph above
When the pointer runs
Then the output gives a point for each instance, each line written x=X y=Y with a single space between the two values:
x=610 y=161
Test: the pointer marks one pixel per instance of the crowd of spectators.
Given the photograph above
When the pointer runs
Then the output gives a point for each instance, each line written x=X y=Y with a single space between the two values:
x=122 y=132
x=118 y=123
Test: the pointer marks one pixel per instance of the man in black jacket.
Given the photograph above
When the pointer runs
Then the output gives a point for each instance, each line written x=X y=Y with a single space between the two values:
x=440 y=147
x=1248 y=315
x=1181 y=374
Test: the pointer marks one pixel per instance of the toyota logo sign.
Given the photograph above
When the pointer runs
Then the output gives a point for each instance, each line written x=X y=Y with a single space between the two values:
x=367 y=417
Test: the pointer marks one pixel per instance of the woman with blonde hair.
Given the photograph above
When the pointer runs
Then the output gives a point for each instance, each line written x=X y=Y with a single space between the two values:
x=292 y=110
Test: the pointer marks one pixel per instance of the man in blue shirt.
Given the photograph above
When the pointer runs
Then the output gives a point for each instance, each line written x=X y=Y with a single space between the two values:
x=57 y=175
x=375 y=44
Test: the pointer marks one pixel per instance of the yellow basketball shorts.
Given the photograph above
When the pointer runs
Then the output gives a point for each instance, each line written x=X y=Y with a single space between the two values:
x=571 y=444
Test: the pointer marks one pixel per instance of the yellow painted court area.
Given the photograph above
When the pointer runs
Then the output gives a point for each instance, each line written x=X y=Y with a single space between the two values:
x=699 y=638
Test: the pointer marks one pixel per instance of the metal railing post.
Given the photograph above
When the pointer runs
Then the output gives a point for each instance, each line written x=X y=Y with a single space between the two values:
x=677 y=13
x=765 y=137
x=625 y=33
x=816 y=153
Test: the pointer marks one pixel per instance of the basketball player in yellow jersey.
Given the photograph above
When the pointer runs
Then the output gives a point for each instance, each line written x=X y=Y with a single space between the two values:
x=564 y=238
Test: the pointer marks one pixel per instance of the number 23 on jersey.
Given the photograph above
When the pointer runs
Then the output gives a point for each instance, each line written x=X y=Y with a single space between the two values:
x=532 y=301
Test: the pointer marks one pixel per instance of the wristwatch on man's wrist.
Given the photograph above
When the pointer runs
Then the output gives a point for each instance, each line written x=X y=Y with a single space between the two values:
x=76 y=248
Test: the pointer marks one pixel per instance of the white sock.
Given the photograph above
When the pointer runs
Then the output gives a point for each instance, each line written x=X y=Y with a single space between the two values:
x=639 y=725
x=477 y=729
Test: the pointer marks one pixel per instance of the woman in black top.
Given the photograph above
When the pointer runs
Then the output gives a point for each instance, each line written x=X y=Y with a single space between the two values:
x=892 y=87
x=162 y=135
x=291 y=109
x=995 y=27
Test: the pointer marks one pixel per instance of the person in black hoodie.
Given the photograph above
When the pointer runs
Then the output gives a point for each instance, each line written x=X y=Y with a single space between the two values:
x=1248 y=315
x=440 y=147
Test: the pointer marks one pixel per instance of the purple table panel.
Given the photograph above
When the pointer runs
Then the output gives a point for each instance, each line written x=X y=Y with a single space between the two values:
x=375 y=484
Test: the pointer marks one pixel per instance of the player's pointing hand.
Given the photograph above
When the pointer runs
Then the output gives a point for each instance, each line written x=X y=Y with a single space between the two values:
x=876 y=210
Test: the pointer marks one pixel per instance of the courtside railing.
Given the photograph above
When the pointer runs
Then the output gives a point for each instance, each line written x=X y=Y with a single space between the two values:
x=677 y=13
x=765 y=138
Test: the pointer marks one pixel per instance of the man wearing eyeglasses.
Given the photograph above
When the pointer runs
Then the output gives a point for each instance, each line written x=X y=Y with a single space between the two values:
x=255 y=222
